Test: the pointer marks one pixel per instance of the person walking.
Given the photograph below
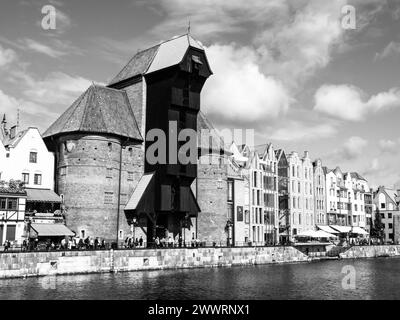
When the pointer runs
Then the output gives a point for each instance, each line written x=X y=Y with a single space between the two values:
x=180 y=242
x=170 y=242
x=141 y=241
x=157 y=242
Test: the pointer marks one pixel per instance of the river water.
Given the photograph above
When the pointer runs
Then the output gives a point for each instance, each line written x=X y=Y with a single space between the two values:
x=374 y=279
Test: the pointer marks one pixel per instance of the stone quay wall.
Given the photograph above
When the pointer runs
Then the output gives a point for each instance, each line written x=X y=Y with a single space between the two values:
x=371 y=252
x=14 y=265
x=30 y=264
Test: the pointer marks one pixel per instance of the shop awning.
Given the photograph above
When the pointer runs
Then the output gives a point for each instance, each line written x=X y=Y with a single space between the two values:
x=51 y=230
x=359 y=230
x=306 y=233
x=323 y=234
x=341 y=229
x=327 y=229
x=42 y=195
x=143 y=196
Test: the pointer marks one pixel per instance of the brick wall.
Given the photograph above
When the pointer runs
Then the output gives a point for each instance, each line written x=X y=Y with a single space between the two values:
x=212 y=199
x=89 y=170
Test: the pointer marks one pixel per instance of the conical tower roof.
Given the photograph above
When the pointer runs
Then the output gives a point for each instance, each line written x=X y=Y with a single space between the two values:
x=99 y=110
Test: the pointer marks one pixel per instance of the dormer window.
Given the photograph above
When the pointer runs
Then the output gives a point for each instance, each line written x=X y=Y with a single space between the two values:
x=196 y=60
x=33 y=157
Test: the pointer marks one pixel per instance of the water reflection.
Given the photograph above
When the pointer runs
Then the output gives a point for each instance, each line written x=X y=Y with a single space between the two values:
x=375 y=279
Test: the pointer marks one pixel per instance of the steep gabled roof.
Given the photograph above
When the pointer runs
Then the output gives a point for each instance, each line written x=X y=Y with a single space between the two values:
x=392 y=194
x=8 y=142
x=158 y=57
x=356 y=176
x=98 y=110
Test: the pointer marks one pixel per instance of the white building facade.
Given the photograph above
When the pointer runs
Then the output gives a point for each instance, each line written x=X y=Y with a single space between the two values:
x=301 y=193
x=25 y=157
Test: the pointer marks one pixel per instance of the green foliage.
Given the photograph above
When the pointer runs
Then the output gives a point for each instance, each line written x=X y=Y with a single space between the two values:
x=13 y=186
x=377 y=228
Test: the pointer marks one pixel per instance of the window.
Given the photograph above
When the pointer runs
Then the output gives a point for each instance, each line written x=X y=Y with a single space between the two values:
x=390 y=215
x=293 y=171
x=255 y=179
x=109 y=173
x=108 y=197
x=230 y=190
x=12 y=204
x=355 y=207
x=130 y=176
x=383 y=205
x=246 y=216
x=294 y=203
x=33 y=157
x=299 y=187
x=25 y=178
x=390 y=225
x=3 y=203
x=124 y=198
x=63 y=171
x=37 y=179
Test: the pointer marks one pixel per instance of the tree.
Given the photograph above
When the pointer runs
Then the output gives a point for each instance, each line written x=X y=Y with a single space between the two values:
x=377 y=228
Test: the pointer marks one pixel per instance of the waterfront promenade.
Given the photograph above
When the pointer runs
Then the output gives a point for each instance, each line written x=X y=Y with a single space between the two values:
x=30 y=264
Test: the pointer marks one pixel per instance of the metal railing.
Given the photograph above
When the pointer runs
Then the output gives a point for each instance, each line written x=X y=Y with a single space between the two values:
x=144 y=246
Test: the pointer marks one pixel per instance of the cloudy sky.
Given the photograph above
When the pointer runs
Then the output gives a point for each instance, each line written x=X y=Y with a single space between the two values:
x=288 y=69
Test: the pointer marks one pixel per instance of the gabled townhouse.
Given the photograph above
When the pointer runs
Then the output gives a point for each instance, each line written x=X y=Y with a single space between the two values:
x=320 y=216
x=301 y=193
x=386 y=204
x=284 y=208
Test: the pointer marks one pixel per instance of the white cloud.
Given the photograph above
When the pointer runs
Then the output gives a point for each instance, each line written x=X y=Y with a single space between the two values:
x=238 y=91
x=56 y=88
x=7 y=56
x=42 y=48
x=211 y=18
x=8 y=104
x=392 y=49
x=293 y=39
x=348 y=102
x=352 y=148
x=295 y=48
x=296 y=131
x=389 y=146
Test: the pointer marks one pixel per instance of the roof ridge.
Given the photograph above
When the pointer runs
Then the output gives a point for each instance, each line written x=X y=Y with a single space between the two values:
x=131 y=111
x=153 y=57
x=78 y=101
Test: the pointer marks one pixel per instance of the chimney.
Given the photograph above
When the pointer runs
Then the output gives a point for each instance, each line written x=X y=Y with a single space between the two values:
x=13 y=132
x=4 y=123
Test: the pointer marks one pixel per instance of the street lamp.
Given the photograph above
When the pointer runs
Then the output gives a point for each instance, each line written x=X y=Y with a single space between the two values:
x=133 y=227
